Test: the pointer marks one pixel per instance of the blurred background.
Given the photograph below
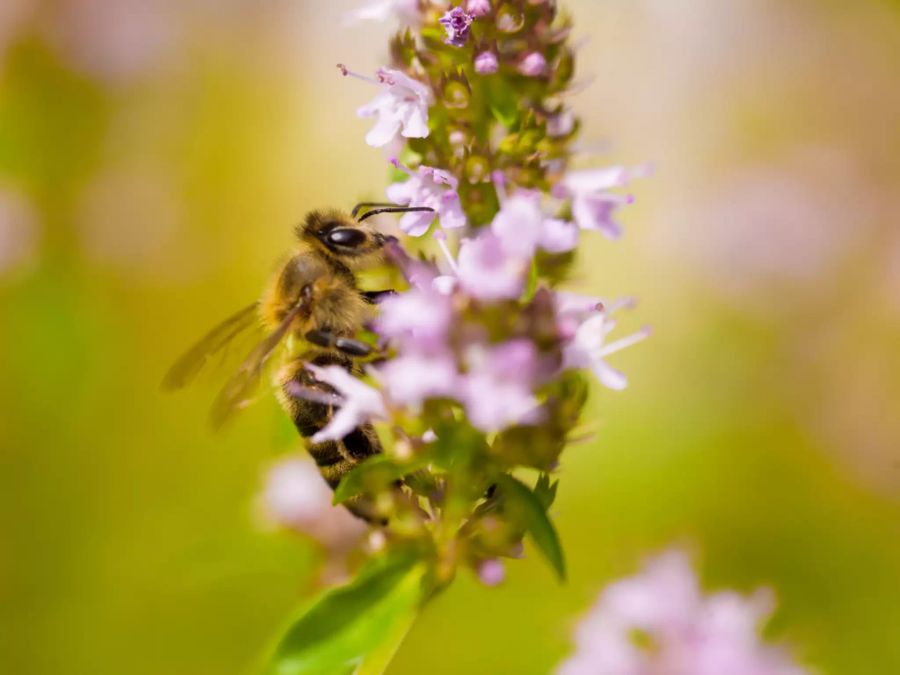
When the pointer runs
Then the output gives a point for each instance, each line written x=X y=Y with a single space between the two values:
x=154 y=156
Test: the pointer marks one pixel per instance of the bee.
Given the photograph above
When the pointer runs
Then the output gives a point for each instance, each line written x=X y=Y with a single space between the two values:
x=311 y=311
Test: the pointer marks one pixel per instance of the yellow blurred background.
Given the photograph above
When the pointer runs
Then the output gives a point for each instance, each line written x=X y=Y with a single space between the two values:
x=154 y=156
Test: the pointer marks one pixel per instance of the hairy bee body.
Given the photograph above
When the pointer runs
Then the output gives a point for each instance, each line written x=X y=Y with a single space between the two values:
x=337 y=307
x=314 y=308
x=334 y=458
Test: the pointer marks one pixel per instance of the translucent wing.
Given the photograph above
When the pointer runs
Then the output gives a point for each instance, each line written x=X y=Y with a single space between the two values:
x=240 y=388
x=185 y=369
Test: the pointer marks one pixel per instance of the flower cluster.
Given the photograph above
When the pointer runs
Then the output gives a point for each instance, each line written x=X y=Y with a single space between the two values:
x=660 y=622
x=482 y=356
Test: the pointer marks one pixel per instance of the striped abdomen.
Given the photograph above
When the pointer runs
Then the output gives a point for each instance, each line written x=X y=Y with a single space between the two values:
x=334 y=458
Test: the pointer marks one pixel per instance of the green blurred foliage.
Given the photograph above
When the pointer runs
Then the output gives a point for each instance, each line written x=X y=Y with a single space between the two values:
x=129 y=541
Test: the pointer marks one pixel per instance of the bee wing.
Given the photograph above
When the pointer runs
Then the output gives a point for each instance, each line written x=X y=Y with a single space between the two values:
x=238 y=390
x=186 y=368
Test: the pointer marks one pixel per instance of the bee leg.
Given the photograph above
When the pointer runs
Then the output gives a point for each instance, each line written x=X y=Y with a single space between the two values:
x=349 y=346
x=375 y=297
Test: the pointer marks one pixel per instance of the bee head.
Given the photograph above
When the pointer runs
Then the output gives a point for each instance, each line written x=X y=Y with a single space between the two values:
x=339 y=236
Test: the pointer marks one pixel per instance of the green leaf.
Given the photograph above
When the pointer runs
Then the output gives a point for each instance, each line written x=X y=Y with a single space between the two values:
x=504 y=103
x=373 y=475
x=545 y=491
x=355 y=628
x=527 y=506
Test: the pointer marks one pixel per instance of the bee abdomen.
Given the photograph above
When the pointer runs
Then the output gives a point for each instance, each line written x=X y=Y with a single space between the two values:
x=334 y=458
x=326 y=453
x=362 y=442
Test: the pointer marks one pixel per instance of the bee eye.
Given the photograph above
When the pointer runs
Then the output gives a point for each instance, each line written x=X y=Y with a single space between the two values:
x=346 y=236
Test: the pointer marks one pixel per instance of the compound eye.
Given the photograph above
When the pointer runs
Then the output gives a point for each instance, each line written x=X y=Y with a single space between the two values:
x=346 y=236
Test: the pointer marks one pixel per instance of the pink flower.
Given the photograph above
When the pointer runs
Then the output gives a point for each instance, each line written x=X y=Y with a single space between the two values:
x=402 y=106
x=491 y=572
x=486 y=63
x=586 y=346
x=558 y=236
x=478 y=7
x=411 y=379
x=114 y=41
x=497 y=390
x=593 y=206
x=429 y=187
x=574 y=308
x=487 y=271
x=456 y=22
x=295 y=496
x=407 y=11
x=683 y=632
x=418 y=319
x=359 y=404
x=533 y=65
x=561 y=124
x=522 y=227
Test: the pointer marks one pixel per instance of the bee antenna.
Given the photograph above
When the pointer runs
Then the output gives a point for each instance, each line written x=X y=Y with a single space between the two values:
x=368 y=204
x=395 y=209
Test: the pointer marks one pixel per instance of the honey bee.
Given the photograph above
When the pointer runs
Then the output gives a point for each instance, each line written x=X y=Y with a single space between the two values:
x=312 y=311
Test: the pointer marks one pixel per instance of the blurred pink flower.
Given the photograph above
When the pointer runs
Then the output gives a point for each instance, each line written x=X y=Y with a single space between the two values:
x=491 y=572
x=522 y=227
x=561 y=124
x=487 y=271
x=779 y=229
x=359 y=404
x=411 y=379
x=115 y=41
x=486 y=63
x=533 y=65
x=429 y=187
x=402 y=106
x=558 y=236
x=497 y=389
x=418 y=319
x=295 y=496
x=593 y=206
x=478 y=7
x=586 y=324
x=679 y=630
x=407 y=11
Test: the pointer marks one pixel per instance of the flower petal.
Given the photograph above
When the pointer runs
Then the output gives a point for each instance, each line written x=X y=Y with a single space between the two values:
x=609 y=376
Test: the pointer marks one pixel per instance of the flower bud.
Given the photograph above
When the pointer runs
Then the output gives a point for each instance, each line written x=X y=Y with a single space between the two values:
x=491 y=572
x=456 y=91
x=564 y=70
x=486 y=63
x=477 y=169
x=533 y=65
x=456 y=22
x=478 y=7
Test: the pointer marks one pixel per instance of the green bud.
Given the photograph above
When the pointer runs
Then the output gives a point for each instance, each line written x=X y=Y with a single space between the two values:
x=510 y=19
x=477 y=169
x=456 y=92
x=563 y=71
